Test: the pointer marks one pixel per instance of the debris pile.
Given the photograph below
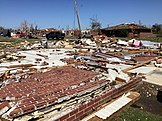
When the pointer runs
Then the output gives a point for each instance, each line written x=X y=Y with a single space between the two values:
x=43 y=83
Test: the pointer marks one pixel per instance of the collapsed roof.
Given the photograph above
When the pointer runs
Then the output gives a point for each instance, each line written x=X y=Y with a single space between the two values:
x=126 y=26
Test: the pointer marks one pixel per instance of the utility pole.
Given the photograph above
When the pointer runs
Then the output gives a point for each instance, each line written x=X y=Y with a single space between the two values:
x=76 y=8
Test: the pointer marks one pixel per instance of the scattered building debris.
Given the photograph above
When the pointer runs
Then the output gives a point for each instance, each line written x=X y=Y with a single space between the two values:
x=113 y=107
x=73 y=78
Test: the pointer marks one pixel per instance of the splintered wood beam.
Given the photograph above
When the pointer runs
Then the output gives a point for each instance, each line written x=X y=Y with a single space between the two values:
x=140 y=64
x=20 y=65
x=132 y=52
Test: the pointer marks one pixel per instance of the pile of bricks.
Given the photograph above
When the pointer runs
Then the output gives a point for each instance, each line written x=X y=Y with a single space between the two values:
x=41 y=90
x=87 y=108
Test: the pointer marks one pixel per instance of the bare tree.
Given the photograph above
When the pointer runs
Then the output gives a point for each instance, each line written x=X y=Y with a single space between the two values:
x=156 y=28
x=1 y=28
x=31 y=28
x=139 y=22
x=95 y=24
x=36 y=29
x=24 y=27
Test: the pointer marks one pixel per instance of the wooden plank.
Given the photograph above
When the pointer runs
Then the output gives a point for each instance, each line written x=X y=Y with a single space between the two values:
x=20 y=65
x=138 y=65
x=135 y=96
x=132 y=52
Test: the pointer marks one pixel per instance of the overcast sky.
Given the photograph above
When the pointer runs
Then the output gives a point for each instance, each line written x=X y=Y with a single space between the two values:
x=60 y=13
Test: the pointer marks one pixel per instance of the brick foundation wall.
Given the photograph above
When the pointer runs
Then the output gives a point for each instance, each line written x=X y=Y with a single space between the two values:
x=145 y=34
x=95 y=32
x=131 y=35
x=142 y=35
x=85 y=109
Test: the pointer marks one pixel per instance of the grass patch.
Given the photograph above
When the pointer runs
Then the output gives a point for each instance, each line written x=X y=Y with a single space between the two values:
x=135 y=114
x=17 y=40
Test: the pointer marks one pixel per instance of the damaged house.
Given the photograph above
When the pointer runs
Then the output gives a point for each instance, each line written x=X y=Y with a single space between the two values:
x=128 y=30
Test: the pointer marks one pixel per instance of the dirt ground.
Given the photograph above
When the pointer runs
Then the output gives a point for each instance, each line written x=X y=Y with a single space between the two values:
x=147 y=108
x=148 y=101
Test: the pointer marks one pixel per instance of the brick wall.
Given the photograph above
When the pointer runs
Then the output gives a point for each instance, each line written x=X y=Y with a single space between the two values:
x=95 y=32
x=146 y=34
x=142 y=35
x=131 y=35
x=85 y=109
